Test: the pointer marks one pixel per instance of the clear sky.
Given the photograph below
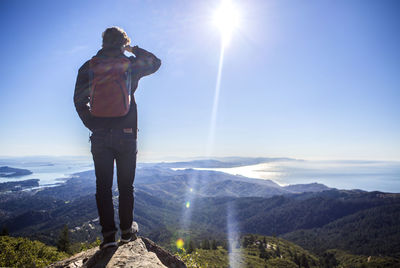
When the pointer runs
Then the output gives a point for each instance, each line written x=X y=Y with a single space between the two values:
x=306 y=79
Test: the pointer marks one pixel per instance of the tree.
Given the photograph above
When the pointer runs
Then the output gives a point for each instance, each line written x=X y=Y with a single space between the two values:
x=246 y=242
x=252 y=239
x=225 y=245
x=205 y=244
x=213 y=244
x=278 y=251
x=63 y=243
x=4 y=231
x=263 y=253
x=329 y=260
x=191 y=247
x=296 y=259
x=304 y=261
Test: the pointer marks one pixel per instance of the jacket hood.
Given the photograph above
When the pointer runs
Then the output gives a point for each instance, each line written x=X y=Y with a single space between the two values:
x=110 y=52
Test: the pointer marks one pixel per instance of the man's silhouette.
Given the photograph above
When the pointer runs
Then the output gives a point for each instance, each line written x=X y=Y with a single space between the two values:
x=104 y=100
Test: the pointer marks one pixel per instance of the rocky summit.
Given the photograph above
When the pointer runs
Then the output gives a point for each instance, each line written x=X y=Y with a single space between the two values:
x=139 y=253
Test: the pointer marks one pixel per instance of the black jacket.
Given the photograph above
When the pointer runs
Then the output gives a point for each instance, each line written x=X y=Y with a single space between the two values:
x=143 y=64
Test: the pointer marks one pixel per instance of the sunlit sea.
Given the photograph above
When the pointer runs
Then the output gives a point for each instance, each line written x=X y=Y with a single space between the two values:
x=49 y=170
x=364 y=175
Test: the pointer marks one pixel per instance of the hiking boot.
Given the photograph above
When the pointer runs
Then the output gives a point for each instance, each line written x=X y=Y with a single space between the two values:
x=130 y=234
x=108 y=241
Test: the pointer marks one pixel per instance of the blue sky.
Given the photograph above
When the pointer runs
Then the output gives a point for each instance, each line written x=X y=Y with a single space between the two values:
x=305 y=79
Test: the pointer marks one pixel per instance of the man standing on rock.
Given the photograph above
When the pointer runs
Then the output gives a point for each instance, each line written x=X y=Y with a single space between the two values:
x=104 y=99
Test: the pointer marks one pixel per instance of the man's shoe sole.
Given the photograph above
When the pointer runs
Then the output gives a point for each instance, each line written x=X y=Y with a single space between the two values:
x=126 y=240
x=107 y=245
x=132 y=238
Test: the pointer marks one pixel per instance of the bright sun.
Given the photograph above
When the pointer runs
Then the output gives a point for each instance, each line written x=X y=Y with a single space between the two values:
x=226 y=18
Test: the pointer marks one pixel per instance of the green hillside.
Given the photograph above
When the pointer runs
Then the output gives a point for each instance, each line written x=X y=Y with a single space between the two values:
x=361 y=261
x=265 y=251
x=370 y=232
x=252 y=251
x=22 y=252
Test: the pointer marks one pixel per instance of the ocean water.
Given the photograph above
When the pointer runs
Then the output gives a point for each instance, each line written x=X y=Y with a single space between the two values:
x=49 y=170
x=364 y=175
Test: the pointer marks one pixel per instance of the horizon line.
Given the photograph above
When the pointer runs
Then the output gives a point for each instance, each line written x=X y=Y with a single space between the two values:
x=192 y=158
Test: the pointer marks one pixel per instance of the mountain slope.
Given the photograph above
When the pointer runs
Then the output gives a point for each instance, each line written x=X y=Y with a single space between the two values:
x=282 y=214
x=348 y=219
x=372 y=231
x=201 y=203
x=206 y=183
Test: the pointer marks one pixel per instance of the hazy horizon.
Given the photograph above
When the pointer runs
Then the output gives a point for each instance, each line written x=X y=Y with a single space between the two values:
x=342 y=174
x=176 y=158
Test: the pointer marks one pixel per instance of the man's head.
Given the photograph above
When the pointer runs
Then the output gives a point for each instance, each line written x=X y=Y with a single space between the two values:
x=115 y=37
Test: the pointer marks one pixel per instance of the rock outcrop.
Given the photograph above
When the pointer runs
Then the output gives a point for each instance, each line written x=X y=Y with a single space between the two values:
x=139 y=253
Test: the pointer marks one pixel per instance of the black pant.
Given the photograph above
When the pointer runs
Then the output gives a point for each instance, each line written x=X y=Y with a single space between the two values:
x=109 y=145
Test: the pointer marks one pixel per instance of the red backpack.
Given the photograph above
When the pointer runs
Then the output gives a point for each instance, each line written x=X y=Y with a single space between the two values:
x=110 y=86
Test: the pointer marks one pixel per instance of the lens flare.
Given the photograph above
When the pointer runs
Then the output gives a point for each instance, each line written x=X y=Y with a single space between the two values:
x=187 y=204
x=179 y=243
x=211 y=132
x=226 y=18
x=235 y=255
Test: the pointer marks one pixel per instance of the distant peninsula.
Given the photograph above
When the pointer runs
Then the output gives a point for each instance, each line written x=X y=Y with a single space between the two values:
x=18 y=185
x=9 y=172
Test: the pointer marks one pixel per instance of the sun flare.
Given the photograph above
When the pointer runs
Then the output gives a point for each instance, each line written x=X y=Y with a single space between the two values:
x=226 y=18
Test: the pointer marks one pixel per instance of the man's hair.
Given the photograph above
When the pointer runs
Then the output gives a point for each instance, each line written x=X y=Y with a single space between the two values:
x=115 y=37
